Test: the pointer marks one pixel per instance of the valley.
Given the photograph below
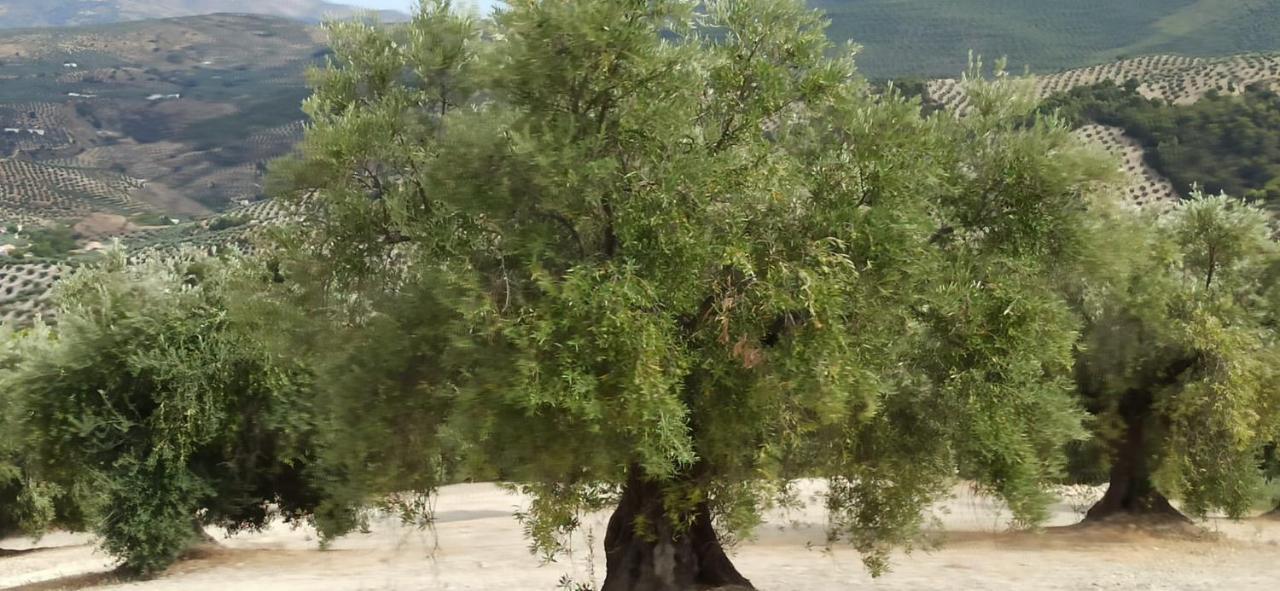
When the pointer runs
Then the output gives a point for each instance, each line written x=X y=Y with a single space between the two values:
x=146 y=133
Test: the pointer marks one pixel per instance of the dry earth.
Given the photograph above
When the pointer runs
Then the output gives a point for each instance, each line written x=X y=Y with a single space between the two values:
x=477 y=545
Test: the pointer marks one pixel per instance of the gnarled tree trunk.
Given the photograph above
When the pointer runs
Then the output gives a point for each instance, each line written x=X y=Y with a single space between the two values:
x=1130 y=491
x=644 y=551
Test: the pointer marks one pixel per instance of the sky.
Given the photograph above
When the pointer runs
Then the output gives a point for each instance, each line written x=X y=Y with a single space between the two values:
x=407 y=5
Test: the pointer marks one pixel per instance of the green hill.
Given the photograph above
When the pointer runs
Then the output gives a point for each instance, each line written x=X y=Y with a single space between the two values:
x=927 y=38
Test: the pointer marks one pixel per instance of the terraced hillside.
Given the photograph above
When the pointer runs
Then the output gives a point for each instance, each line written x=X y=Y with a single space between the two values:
x=141 y=132
x=26 y=284
x=166 y=104
x=1145 y=187
x=1175 y=79
x=25 y=289
x=926 y=38
x=1171 y=79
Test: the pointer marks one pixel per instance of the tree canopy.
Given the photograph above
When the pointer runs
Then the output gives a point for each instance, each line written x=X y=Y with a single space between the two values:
x=1178 y=361
x=152 y=410
x=673 y=257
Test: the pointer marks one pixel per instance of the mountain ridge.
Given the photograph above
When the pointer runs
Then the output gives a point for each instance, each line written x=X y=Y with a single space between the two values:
x=26 y=14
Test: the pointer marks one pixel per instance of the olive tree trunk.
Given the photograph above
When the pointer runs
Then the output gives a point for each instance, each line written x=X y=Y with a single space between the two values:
x=1130 y=491
x=200 y=535
x=644 y=551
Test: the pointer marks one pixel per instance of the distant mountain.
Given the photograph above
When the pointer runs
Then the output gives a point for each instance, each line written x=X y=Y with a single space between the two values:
x=62 y=13
x=932 y=38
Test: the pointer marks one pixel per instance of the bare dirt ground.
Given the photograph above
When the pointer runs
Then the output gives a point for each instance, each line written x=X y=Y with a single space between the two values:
x=97 y=226
x=478 y=545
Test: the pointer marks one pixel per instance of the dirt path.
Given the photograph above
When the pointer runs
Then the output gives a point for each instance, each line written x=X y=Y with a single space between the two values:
x=477 y=546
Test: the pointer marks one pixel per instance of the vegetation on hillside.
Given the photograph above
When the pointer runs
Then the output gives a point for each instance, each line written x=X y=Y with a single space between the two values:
x=173 y=116
x=931 y=39
x=1223 y=143
x=63 y=13
x=41 y=242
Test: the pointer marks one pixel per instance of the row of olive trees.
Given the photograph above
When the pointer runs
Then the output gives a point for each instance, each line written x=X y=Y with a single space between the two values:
x=663 y=257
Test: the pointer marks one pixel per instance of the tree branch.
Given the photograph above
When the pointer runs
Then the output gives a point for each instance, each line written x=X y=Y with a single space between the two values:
x=567 y=225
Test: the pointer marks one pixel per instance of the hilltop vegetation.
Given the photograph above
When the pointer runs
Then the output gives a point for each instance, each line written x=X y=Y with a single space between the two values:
x=931 y=39
x=1178 y=85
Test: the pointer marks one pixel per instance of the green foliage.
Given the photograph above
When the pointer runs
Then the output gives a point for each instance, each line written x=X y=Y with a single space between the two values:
x=151 y=219
x=1222 y=143
x=534 y=254
x=49 y=241
x=152 y=394
x=930 y=39
x=228 y=221
x=21 y=508
x=1182 y=336
x=912 y=89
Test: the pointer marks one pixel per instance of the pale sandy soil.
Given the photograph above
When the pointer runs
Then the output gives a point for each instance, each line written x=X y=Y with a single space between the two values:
x=477 y=545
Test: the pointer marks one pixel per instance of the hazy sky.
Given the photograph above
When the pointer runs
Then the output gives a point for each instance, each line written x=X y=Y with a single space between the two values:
x=406 y=5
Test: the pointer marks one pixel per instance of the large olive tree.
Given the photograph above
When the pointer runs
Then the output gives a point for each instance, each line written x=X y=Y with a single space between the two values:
x=671 y=257
x=1179 y=360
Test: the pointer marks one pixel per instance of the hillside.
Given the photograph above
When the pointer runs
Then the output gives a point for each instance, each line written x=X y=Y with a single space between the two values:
x=177 y=116
x=118 y=131
x=932 y=39
x=66 y=13
x=1182 y=84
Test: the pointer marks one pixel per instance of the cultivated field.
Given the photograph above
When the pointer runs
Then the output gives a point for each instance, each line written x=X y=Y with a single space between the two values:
x=190 y=108
x=1146 y=187
x=24 y=290
x=1178 y=80
x=161 y=119
x=1173 y=79
x=62 y=13
x=25 y=286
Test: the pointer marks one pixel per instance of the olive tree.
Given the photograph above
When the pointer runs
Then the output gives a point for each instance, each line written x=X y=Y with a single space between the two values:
x=1179 y=360
x=671 y=257
x=156 y=408
x=23 y=507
